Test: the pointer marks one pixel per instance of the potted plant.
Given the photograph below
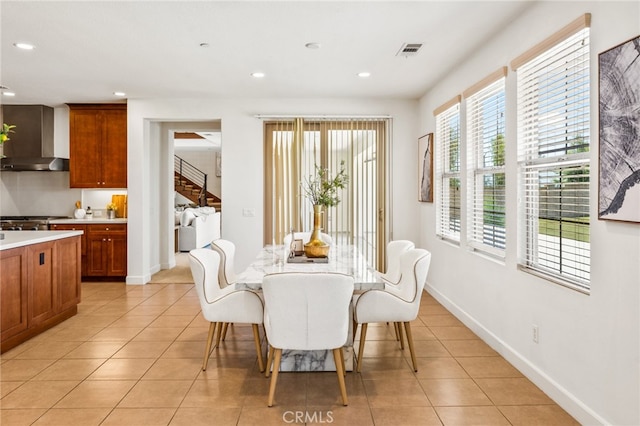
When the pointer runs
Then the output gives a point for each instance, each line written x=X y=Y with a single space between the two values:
x=322 y=191
x=4 y=134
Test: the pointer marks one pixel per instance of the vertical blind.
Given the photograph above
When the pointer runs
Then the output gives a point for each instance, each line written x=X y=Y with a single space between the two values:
x=447 y=145
x=553 y=157
x=486 y=169
x=293 y=149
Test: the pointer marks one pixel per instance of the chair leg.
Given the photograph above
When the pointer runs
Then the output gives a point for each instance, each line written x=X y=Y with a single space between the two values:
x=274 y=377
x=269 y=362
x=407 y=326
x=399 y=334
x=225 y=327
x=363 y=336
x=395 y=328
x=207 y=349
x=219 y=334
x=338 y=357
x=256 y=339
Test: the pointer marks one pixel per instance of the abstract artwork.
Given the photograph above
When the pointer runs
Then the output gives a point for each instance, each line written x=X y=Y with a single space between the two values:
x=425 y=168
x=619 y=186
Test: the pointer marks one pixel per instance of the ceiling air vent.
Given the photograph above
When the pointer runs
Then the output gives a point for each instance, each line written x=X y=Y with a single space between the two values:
x=409 y=49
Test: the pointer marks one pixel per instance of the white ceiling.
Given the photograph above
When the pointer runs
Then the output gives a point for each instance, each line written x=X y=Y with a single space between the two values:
x=86 y=50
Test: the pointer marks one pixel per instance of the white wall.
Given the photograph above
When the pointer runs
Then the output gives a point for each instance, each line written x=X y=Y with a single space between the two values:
x=242 y=184
x=588 y=354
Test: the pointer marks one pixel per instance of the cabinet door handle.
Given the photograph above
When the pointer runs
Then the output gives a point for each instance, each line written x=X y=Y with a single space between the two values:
x=104 y=239
x=109 y=239
x=106 y=229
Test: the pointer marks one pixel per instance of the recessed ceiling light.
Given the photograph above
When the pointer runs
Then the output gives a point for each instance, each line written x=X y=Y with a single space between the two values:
x=257 y=74
x=204 y=44
x=119 y=93
x=25 y=46
x=364 y=74
x=8 y=94
x=313 y=45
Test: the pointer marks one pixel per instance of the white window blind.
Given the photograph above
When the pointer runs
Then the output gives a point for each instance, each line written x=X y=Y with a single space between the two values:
x=486 y=169
x=553 y=158
x=447 y=142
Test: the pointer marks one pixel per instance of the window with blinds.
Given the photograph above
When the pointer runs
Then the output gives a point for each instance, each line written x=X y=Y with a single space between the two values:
x=486 y=168
x=447 y=142
x=553 y=159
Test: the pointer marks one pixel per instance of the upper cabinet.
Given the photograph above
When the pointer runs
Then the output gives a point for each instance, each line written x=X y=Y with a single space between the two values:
x=98 y=145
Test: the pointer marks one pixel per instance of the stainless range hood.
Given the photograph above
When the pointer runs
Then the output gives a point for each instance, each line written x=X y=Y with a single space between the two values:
x=30 y=147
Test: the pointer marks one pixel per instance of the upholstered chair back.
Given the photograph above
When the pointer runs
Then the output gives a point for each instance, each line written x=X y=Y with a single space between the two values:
x=227 y=251
x=307 y=311
x=204 y=268
x=305 y=237
x=394 y=250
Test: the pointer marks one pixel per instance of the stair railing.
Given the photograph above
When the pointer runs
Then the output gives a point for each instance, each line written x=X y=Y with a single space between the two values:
x=193 y=174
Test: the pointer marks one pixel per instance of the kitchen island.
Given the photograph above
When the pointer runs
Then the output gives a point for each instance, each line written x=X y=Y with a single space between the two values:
x=40 y=282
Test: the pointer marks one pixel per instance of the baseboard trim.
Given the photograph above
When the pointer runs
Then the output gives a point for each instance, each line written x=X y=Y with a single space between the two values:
x=565 y=399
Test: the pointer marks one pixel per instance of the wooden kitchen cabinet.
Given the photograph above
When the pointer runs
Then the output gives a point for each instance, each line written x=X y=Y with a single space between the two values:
x=106 y=250
x=40 y=288
x=13 y=292
x=97 y=145
x=83 y=241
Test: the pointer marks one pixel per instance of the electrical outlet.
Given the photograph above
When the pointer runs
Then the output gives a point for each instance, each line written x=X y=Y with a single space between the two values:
x=248 y=212
x=536 y=334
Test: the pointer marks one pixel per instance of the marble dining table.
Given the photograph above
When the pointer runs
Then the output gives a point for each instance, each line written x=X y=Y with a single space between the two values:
x=345 y=259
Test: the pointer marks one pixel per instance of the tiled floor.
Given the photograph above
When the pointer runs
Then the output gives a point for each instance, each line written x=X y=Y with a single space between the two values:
x=132 y=356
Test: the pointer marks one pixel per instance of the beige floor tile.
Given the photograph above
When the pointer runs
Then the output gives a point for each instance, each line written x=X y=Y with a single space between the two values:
x=458 y=348
x=187 y=349
x=194 y=334
x=479 y=367
x=20 y=417
x=70 y=369
x=7 y=387
x=428 y=348
x=116 y=334
x=122 y=369
x=454 y=392
x=433 y=309
x=395 y=393
x=96 y=394
x=23 y=369
x=532 y=415
x=95 y=350
x=202 y=416
x=140 y=416
x=399 y=416
x=337 y=415
x=216 y=393
x=156 y=394
x=323 y=390
x=48 y=351
x=183 y=310
x=269 y=416
x=73 y=416
x=156 y=334
x=144 y=310
x=453 y=333
x=385 y=368
x=234 y=368
x=174 y=369
x=135 y=321
x=38 y=394
x=75 y=334
x=445 y=320
x=471 y=416
x=168 y=321
x=381 y=348
x=513 y=391
x=440 y=368
x=142 y=350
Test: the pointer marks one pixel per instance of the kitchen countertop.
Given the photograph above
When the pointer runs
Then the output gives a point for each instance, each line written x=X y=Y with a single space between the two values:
x=14 y=239
x=95 y=220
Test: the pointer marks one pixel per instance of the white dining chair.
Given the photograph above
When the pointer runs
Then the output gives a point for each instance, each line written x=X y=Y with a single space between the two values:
x=399 y=303
x=394 y=250
x=223 y=305
x=227 y=251
x=306 y=311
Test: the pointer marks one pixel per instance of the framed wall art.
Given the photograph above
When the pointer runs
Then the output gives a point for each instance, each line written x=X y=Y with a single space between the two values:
x=619 y=138
x=425 y=168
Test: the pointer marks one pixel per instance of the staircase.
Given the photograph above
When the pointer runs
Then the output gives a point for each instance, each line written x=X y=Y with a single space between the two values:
x=191 y=183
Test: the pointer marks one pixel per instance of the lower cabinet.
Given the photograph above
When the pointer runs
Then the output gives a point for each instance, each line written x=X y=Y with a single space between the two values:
x=40 y=288
x=107 y=250
x=104 y=249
